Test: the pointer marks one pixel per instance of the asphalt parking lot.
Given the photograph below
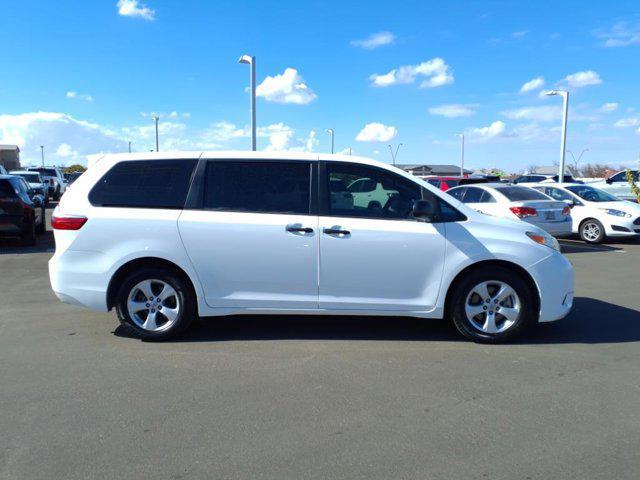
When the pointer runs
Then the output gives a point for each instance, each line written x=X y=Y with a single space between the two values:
x=312 y=397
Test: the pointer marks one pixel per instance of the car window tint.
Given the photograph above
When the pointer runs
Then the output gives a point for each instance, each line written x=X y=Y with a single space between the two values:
x=472 y=195
x=261 y=187
x=457 y=193
x=6 y=189
x=144 y=184
x=487 y=197
x=392 y=198
x=517 y=194
x=557 y=194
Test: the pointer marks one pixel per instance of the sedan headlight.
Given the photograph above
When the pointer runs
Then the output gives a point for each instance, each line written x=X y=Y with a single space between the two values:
x=544 y=239
x=616 y=213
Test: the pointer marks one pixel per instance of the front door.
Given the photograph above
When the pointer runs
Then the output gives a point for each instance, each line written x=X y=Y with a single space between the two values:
x=253 y=240
x=375 y=255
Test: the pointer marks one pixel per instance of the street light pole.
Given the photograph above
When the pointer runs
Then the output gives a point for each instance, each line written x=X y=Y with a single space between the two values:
x=42 y=153
x=251 y=61
x=462 y=155
x=129 y=147
x=565 y=111
x=394 y=156
x=156 y=118
x=332 y=133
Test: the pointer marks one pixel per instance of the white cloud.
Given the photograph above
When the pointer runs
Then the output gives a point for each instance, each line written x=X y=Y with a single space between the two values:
x=79 y=96
x=132 y=8
x=376 y=132
x=533 y=84
x=622 y=34
x=627 y=122
x=375 y=40
x=609 y=107
x=540 y=114
x=519 y=34
x=583 y=79
x=434 y=72
x=454 y=110
x=289 y=87
x=496 y=129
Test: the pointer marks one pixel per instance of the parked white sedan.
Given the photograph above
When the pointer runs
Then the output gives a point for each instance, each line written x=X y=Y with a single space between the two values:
x=596 y=214
x=517 y=202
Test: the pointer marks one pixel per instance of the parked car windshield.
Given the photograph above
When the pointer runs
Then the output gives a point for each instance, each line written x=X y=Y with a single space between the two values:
x=517 y=194
x=591 y=194
x=49 y=172
x=29 y=177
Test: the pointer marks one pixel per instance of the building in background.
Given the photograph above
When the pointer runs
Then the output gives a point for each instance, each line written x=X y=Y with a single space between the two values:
x=435 y=170
x=10 y=157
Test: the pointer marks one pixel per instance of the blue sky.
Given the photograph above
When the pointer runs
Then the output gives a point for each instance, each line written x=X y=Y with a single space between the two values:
x=85 y=77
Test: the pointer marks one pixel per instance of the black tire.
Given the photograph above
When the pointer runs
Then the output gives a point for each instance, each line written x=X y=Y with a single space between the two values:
x=590 y=225
x=42 y=227
x=28 y=237
x=56 y=196
x=527 y=315
x=184 y=298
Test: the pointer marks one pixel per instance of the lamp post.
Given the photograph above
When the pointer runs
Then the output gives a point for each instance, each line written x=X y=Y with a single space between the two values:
x=42 y=153
x=129 y=147
x=394 y=155
x=576 y=162
x=156 y=118
x=251 y=61
x=461 y=135
x=332 y=133
x=565 y=111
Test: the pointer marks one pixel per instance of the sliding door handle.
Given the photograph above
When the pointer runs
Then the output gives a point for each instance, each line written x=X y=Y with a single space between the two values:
x=336 y=231
x=298 y=229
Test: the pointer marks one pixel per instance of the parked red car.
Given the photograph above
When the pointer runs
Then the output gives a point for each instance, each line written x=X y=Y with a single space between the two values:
x=22 y=212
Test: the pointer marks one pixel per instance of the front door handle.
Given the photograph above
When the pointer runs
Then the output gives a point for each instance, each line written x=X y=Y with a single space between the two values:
x=336 y=231
x=299 y=229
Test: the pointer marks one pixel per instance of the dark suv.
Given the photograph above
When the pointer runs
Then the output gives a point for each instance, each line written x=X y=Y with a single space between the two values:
x=22 y=211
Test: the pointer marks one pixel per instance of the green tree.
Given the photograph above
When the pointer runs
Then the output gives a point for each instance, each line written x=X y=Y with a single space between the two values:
x=634 y=187
x=75 y=168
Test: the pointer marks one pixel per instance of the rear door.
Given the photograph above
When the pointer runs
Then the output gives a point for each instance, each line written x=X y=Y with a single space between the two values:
x=252 y=235
x=376 y=256
x=10 y=207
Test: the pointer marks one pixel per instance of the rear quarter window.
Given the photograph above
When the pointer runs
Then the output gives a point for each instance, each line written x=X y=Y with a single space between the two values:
x=144 y=184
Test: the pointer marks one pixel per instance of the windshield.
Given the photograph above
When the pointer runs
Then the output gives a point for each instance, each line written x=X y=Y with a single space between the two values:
x=49 y=172
x=591 y=194
x=30 y=177
x=517 y=194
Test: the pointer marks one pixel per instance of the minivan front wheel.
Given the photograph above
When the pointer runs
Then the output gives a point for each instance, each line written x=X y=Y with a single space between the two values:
x=156 y=303
x=492 y=305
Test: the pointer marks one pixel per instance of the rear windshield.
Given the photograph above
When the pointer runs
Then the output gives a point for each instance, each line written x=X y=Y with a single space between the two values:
x=518 y=194
x=144 y=184
x=6 y=189
x=29 y=177
x=49 y=172
x=452 y=183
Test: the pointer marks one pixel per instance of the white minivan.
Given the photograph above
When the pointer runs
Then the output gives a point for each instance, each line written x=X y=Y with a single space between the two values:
x=166 y=237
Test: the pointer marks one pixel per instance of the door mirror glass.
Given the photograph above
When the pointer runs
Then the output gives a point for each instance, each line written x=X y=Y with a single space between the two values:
x=609 y=180
x=424 y=210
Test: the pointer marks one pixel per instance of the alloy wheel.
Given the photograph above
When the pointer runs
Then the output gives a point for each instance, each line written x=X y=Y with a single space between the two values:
x=492 y=307
x=591 y=231
x=153 y=305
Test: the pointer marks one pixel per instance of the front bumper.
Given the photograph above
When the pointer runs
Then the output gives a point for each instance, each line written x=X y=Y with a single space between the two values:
x=554 y=278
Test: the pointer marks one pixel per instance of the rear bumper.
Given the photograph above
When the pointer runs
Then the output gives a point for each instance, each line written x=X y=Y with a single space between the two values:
x=554 y=278
x=81 y=278
x=557 y=229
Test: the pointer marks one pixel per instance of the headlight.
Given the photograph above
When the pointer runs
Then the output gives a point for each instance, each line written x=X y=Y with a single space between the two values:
x=544 y=239
x=616 y=213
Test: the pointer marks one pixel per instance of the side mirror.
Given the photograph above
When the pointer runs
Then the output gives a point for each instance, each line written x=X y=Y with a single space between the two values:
x=609 y=180
x=37 y=200
x=424 y=210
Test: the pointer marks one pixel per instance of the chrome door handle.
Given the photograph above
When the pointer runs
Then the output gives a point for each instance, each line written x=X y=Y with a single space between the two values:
x=336 y=231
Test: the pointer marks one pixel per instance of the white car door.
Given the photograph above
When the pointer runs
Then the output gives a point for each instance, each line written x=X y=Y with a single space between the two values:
x=252 y=239
x=579 y=211
x=379 y=257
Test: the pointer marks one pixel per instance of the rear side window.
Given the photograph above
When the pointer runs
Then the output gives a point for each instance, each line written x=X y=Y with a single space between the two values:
x=516 y=194
x=261 y=187
x=6 y=189
x=144 y=184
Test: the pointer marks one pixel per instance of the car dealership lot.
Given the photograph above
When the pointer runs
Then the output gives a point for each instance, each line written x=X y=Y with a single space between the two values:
x=320 y=397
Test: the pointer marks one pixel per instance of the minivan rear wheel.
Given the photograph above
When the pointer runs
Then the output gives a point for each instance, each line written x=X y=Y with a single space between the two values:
x=157 y=304
x=492 y=305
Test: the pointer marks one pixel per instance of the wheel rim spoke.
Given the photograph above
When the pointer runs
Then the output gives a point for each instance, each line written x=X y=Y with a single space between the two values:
x=167 y=292
x=150 y=322
x=170 y=313
x=145 y=288
x=489 y=325
x=510 y=314
x=473 y=310
x=482 y=290
x=135 y=306
x=504 y=292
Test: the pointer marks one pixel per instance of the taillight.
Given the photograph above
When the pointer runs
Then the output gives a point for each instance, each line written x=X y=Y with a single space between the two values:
x=68 y=223
x=566 y=211
x=524 y=212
